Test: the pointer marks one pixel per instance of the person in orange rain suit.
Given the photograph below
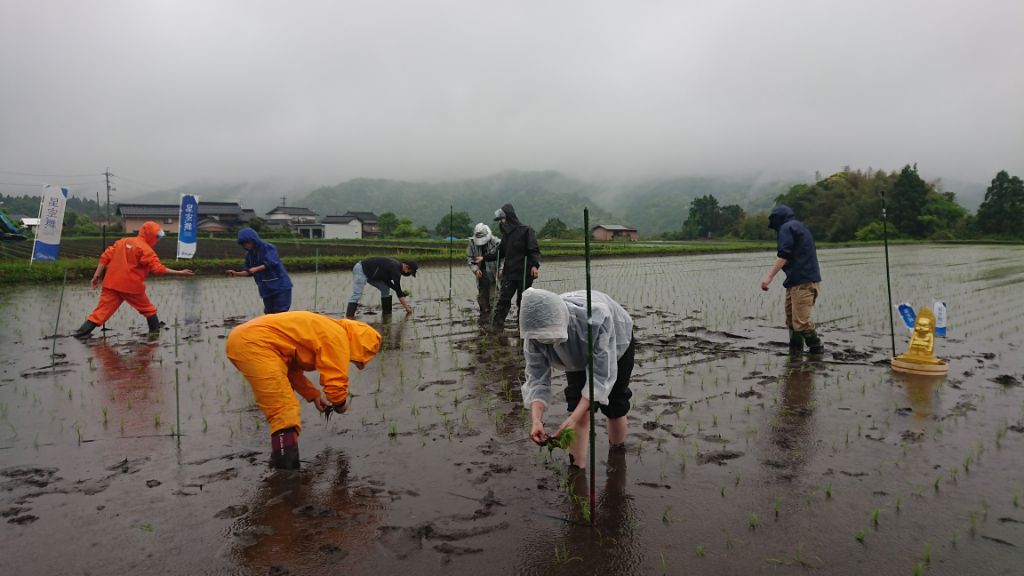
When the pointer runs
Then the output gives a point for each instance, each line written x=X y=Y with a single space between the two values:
x=123 y=268
x=274 y=350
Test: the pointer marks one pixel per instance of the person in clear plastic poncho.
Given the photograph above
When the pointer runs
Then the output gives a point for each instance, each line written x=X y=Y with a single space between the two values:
x=554 y=332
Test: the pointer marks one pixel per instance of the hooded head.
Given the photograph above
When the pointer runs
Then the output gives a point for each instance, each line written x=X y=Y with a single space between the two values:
x=363 y=340
x=543 y=317
x=248 y=235
x=507 y=215
x=150 y=232
x=779 y=216
x=481 y=234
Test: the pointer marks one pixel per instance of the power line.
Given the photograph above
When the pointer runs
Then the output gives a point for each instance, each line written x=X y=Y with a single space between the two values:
x=45 y=175
x=36 y=184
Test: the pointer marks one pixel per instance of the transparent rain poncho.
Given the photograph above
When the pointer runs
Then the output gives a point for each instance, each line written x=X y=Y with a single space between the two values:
x=554 y=332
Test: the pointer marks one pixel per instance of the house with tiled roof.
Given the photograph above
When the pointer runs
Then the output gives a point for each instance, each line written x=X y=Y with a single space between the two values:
x=368 y=221
x=605 y=232
x=220 y=215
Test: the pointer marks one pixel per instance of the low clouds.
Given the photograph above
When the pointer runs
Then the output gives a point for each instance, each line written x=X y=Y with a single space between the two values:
x=171 y=92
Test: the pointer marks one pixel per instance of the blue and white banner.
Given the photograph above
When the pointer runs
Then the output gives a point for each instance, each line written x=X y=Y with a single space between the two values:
x=51 y=222
x=188 y=218
x=907 y=313
x=939 y=308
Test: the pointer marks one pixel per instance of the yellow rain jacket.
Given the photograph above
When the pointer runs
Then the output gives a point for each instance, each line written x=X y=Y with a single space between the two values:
x=274 y=351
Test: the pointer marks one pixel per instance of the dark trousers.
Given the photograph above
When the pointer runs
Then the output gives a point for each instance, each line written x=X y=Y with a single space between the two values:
x=510 y=286
x=618 y=398
x=483 y=294
x=280 y=301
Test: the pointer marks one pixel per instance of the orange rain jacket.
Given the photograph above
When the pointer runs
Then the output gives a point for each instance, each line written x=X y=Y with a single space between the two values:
x=130 y=260
x=274 y=350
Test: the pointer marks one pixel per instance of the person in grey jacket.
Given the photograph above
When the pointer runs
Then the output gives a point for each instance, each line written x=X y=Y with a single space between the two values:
x=554 y=332
x=482 y=256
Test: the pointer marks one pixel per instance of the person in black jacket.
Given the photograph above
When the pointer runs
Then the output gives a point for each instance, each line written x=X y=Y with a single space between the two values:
x=384 y=274
x=519 y=256
x=798 y=258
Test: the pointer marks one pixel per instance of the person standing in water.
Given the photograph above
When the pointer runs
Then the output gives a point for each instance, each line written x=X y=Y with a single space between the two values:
x=265 y=267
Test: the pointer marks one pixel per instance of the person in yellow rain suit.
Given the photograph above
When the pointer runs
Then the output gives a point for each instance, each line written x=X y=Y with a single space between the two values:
x=273 y=351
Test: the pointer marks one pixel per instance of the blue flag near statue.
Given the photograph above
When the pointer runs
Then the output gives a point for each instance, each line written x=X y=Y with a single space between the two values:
x=51 y=222
x=187 y=220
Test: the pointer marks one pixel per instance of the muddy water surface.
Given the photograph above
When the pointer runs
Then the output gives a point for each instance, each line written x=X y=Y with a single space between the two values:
x=740 y=459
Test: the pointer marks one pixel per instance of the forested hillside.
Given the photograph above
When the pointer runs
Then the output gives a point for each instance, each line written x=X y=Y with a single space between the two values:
x=537 y=197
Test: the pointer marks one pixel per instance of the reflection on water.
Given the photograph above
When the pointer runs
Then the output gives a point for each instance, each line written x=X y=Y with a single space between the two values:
x=792 y=426
x=563 y=542
x=129 y=380
x=308 y=521
x=919 y=388
x=391 y=332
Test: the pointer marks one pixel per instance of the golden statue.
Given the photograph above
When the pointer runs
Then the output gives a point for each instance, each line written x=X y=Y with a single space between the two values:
x=920 y=357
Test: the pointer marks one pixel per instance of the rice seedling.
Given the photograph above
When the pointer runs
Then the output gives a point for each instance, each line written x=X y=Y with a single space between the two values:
x=778 y=505
x=753 y=521
x=828 y=491
x=859 y=536
x=701 y=551
x=874 y=516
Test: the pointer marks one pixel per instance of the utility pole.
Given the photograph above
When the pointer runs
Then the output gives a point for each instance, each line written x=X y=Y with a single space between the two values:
x=107 y=219
x=99 y=214
x=284 y=200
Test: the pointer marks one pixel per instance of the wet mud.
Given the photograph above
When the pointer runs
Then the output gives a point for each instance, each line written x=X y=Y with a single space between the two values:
x=740 y=459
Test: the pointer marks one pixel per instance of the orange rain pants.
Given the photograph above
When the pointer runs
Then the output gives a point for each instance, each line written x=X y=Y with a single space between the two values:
x=110 y=301
x=274 y=351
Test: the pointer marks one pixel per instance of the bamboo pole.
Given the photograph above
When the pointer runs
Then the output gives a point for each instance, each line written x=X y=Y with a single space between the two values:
x=888 y=282
x=590 y=371
x=177 y=387
x=451 y=248
x=60 y=305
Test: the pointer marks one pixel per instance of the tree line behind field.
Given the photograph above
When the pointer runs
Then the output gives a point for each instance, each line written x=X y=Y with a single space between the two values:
x=848 y=206
x=843 y=207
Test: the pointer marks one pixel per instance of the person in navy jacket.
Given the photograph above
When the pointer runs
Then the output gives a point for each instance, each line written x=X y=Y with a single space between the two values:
x=264 y=265
x=798 y=258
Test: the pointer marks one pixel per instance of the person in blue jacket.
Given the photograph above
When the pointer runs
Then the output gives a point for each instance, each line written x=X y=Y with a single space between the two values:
x=264 y=265
x=798 y=258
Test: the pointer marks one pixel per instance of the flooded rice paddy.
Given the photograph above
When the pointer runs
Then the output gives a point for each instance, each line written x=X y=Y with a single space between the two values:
x=739 y=460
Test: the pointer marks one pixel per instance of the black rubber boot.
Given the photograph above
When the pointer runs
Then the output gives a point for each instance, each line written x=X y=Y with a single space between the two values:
x=154 y=324
x=350 y=312
x=386 y=305
x=84 y=330
x=796 y=342
x=814 y=345
x=284 y=449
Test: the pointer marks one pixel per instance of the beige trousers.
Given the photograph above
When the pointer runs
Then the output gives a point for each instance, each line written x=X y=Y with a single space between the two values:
x=799 y=303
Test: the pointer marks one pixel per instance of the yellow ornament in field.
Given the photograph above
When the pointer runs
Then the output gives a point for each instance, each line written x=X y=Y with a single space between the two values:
x=920 y=356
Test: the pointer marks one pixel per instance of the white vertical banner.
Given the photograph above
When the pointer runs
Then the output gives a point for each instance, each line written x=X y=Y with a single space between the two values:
x=46 y=246
x=188 y=217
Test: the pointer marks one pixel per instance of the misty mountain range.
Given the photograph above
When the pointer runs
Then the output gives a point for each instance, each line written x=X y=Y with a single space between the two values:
x=654 y=206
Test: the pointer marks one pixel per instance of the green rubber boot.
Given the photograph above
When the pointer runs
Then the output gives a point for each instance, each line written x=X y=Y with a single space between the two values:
x=796 y=342
x=814 y=345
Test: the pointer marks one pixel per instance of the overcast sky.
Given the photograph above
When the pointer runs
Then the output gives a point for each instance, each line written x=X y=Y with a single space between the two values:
x=172 y=92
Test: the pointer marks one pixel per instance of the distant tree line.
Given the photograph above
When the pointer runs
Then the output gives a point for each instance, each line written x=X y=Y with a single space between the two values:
x=848 y=206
